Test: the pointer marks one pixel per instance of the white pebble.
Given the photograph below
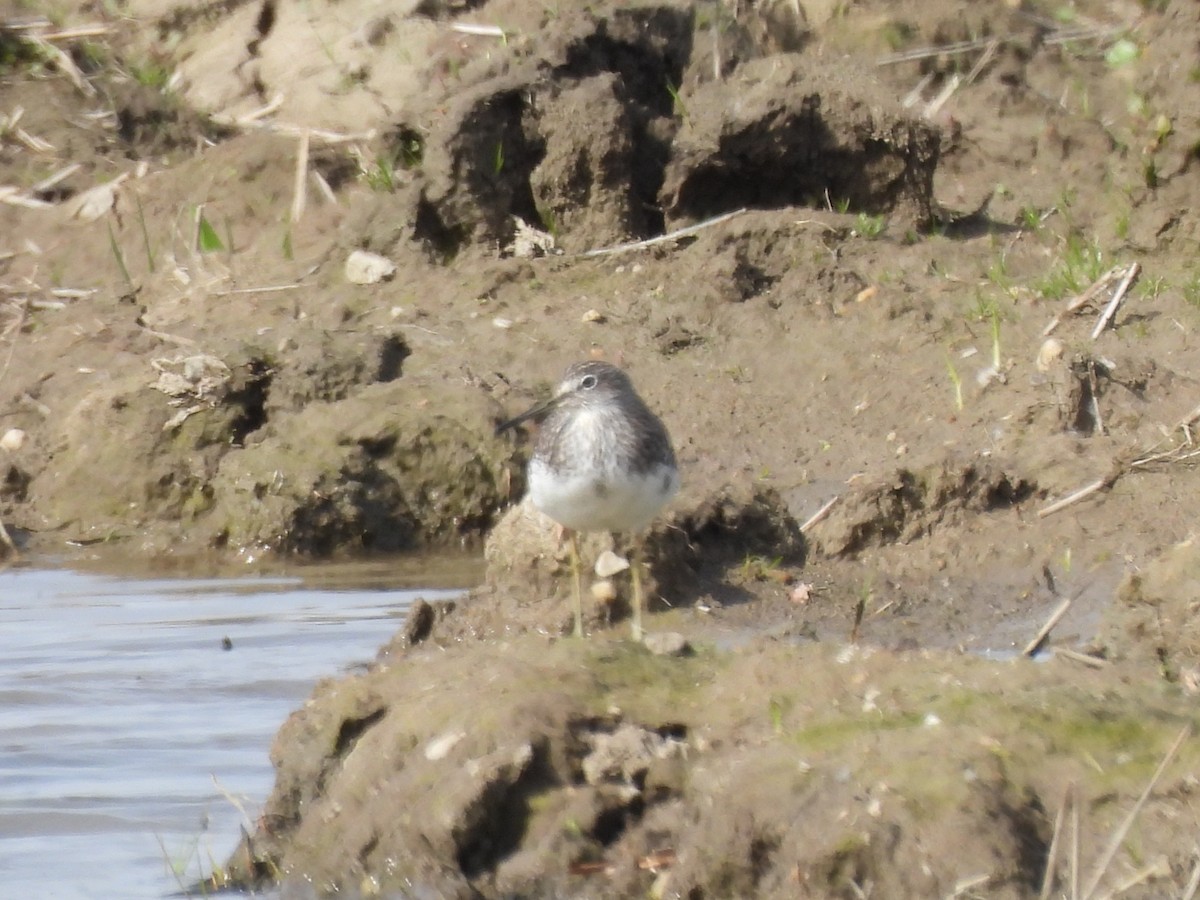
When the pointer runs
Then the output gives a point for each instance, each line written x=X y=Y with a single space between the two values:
x=368 y=268
x=609 y=564
x=1050 y=353
x=13 y=440
x=440 y=746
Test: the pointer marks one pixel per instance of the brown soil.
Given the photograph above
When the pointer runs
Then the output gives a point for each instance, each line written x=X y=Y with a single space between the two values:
x=188 y=372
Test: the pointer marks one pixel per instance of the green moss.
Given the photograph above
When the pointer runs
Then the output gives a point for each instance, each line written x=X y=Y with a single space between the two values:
x=647 y=686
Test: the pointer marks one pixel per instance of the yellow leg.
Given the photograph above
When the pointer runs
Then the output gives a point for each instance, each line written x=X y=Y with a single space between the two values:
x=577 y=592
x=635 y=574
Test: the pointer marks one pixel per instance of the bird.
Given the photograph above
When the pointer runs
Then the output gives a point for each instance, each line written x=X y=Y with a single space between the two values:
x=602 y=461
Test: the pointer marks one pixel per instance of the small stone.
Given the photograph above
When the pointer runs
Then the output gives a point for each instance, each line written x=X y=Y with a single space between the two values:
x=801 y=593
x=594 y=316
x=441 y=746
x=667 y=643
x=1050 y=353
x=604 y=591
x=368 y=268
x=13 y=440
x=609 y=564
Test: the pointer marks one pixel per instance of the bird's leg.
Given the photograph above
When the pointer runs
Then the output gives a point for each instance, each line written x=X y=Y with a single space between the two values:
x=635 y=575
x=577 y=591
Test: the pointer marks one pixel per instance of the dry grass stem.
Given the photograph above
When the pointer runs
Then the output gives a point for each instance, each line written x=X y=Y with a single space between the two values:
x=14 y=196
x=270 y=289
x=981 y=63
x=1160 y=868
x=1082 y=494
x=1059 y=36
x=171 y=338
x=1111 y=310
x=913 y=97
x=65 y=64
x=1052 y=853
x=1087 y=659
x=322 y=135
x=262 y=112
x=1118 y=837
x=1092 y=291
x=664 y=238
x=935 y=105
x=1044 y=632
x=967 y=885
x=51 y=180
x=300 y=183
x=324 y=187
x=819 y=515
x=32 y=142
x=74 y=34
x=478 y=30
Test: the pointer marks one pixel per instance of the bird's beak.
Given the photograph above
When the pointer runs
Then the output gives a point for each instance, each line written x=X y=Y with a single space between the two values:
x=536 y=413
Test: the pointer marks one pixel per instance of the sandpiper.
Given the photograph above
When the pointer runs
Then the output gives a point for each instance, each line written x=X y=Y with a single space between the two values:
x=602 y=462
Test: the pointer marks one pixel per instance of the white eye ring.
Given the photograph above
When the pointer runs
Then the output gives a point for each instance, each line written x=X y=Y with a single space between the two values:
x=587 y=382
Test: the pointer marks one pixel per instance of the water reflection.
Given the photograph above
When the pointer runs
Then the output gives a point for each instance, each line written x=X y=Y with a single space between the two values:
x=129 y=735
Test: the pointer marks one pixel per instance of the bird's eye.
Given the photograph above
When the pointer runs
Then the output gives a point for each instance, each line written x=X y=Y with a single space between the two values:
x=587 y=382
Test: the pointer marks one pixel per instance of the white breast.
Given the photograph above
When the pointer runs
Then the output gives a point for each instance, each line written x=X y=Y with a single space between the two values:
x=601 y=501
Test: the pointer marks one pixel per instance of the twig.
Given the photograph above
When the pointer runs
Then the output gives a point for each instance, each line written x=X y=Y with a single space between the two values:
x=913 y=97
x=1081 y=494
x=983 y=60
x=262 y=112
x=1052 y=853
x=1094 y=392
x=324 y=188
x=50 y=181
x=927 y=52
x=963 y=885
x=320 y=134
x=65 y=65
x=1060 y=36
x=1188 y=419
x=716 y=52
x=1084 y=298
x=171 y=338
x=478 y=30
x=71 y=34
x=1055 y=617
x=1086 y=658
x=935 y=105
x=1159 y=867
x=14 y=196
x=300 y=183
x=819 y=515
x=663 y=238
x=1185 y=424
x=1118 y=837
x=272 y=289
x=1117 y=297
x=33 y=142
x=1172 y=455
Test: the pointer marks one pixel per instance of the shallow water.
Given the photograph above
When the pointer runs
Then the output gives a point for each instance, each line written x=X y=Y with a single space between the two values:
x=132 y=744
